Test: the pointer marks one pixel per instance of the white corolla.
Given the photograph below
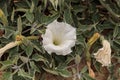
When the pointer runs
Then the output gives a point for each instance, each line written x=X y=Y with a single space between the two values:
x=103 y=55
x=59 y=38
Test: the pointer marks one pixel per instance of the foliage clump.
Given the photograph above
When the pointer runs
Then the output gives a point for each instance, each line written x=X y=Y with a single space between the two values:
x=26 y=20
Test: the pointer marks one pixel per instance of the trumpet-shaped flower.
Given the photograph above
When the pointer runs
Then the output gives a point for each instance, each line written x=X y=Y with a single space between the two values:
x=59 y=38
x=103 y=55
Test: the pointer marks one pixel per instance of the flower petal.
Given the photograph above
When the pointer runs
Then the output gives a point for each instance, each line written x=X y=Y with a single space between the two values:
x=103 y=55
x=48 y=38
x=63 y=49
x=62 y=29
x=70 y=33
x=56 y=28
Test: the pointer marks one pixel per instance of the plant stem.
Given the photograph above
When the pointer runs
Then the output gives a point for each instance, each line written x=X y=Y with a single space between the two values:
x=90 y=42
x=32 y=37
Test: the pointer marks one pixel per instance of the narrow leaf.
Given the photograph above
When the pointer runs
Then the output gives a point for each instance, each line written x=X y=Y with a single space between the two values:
x=29 y=50
x=30 y=16
x=19 y=25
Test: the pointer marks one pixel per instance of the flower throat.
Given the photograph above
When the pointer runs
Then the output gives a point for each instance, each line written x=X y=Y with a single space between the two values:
x=56 y=42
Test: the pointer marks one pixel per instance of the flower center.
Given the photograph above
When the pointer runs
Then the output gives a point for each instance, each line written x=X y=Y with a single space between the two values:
x=56 y=42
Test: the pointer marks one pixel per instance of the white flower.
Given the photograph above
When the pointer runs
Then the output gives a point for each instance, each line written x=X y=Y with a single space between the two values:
x=103 y=55
x=59 y=38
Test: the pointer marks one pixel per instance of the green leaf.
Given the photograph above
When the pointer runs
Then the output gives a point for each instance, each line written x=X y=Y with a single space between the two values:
x=77 y=59
x=13 y=14
x=84 y=69
x=6 y=64
x=64 y=72
x=68 y=16
x=35 y=2
x=33 y=29
x=78 y=8
x=116 y=31
x=32 y=7
x=24 y=59
x=19 y=25
x=18 y=77
x=69 y=59
x=7 y=76
x=51 y=71
x=117 y=42
x=48 y=19
x=54 y=3
x=33 y=66
x=24 y=74
x=84 y=28
x=8 y=31
x=15 y=59
x=105 y=25
x=61 y=5
x=29 y=50
x=80 y=40
x=29 y=16
x=38 y=57
x=22 y=4
x=87 y=77
x=37 y=46
x=45 y=3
